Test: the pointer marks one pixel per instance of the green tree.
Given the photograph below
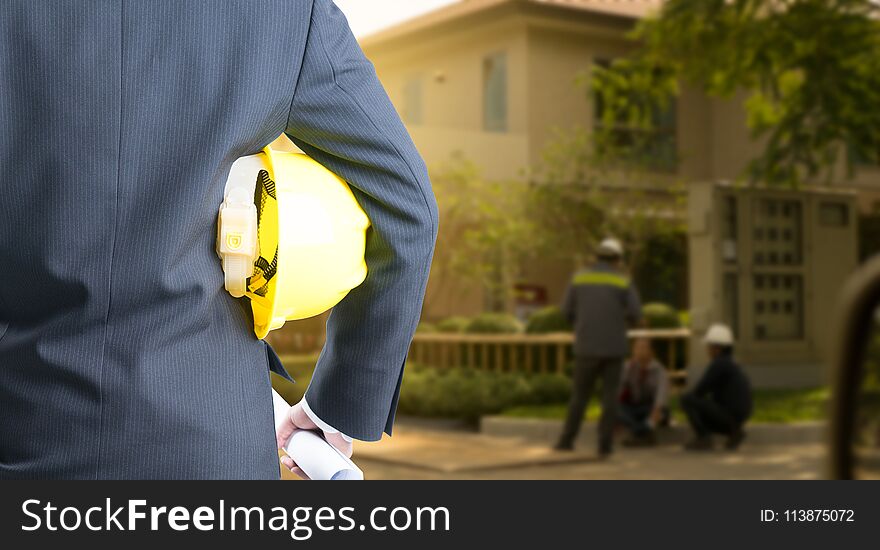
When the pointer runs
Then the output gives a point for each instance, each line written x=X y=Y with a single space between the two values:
x=485 y=233
x=592 y=184
x=810 y=69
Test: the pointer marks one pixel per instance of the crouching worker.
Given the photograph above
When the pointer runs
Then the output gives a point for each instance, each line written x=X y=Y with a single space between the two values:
x=722 y=400
x=643 y=391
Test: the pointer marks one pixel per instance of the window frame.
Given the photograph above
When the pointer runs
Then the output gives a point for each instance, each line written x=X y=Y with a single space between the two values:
x=668 y=132
x=488 y=65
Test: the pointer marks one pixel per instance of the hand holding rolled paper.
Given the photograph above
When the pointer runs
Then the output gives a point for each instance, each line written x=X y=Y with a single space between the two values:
x=311 y=454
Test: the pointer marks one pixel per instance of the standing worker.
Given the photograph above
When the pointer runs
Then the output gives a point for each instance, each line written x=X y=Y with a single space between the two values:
x=721 y=402
x=121 y=353
x=601 y=304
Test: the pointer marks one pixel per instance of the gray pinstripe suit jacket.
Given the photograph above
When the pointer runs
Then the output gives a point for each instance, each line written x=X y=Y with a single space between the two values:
x=121 y=356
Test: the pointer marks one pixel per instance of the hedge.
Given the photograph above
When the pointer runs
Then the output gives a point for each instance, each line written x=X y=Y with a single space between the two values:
x=452 y=324
x=546 y=320
x=459 y=393
x=469 y=394
x=659 y=315
x=494 y=323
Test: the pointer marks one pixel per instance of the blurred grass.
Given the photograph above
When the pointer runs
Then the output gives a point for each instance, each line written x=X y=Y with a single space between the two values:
x=772 y=406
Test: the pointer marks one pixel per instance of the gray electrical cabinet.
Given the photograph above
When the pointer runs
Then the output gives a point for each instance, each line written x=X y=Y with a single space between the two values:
x=770 y=263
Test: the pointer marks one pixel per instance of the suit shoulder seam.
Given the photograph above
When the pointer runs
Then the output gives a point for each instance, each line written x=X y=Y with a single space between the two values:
x=400 y=155
x=302 y=61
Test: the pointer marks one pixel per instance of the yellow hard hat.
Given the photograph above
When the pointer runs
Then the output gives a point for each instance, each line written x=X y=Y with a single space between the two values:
x=291 y=236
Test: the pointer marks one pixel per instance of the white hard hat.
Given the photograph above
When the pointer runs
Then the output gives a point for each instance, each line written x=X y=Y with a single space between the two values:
x=610 y=247
x=719 y=335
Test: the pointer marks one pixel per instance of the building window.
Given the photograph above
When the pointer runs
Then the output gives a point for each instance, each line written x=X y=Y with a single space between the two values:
x=656 y=147
x=412 y=100
x=778 y=307
x=730 y=301
x=863 y=159
x=495 y=93
x=729 y=229
x=778 y=239
x=833 y=214
x=778 y=281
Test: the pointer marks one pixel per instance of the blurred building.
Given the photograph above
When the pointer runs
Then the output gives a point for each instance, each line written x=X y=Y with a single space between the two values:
x=770 y=263
x=495 y=79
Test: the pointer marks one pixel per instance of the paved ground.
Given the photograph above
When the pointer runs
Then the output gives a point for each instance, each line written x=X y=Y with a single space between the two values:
x=416 y=452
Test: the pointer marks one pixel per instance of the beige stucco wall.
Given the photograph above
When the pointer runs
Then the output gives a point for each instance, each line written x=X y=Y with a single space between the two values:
x=545 y=58
x=556 y=102
x=450 y=67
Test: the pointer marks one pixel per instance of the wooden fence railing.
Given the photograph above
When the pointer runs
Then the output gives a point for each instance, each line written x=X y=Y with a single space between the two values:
x=525 y=352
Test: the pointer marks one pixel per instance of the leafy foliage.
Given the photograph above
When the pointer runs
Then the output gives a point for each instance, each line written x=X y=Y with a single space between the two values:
x=451 y=393
x=659 y=315
x=810 y=69
x=494 y=323
x=547 y=320
x=588 y=188
x=469 y=394
x=485 y=236
x=454 y=324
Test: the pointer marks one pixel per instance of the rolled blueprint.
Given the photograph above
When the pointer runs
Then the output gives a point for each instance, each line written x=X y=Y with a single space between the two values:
x=311 y=452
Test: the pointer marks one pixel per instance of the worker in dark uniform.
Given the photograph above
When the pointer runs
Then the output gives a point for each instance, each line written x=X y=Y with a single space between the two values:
x=601 y=304
x=721 y=402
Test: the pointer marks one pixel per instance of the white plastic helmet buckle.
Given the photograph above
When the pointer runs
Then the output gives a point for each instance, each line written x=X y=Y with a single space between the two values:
x=237 y=231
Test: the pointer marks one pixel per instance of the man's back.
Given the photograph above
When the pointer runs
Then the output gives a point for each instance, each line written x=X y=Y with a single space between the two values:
x=124 y=357
x=602 y=304
x=728 y=385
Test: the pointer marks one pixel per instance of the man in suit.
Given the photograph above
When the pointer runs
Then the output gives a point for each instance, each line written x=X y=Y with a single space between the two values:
x=121 y=355
x=601 y=303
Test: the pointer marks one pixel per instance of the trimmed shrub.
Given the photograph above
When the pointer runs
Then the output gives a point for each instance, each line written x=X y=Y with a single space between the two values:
x=452 y=324
x=684 y=318
x=547 y=389
x=468 y=394
x=459 y=393
x=546 y=320
x=659 y=315
x=494 y=323
x=426 y=328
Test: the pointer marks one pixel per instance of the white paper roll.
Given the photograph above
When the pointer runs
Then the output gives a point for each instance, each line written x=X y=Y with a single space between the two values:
x=311 y=452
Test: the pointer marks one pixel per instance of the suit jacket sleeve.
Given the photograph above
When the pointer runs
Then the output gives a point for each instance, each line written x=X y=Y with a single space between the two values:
x=341 y=116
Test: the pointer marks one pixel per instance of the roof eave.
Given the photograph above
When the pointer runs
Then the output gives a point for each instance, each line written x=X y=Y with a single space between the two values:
x=454 y=15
